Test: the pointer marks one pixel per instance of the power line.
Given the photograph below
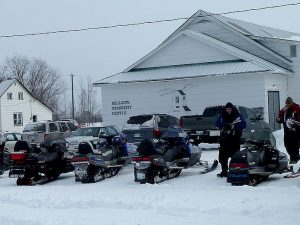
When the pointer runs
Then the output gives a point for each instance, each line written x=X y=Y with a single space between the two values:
x=145 y=22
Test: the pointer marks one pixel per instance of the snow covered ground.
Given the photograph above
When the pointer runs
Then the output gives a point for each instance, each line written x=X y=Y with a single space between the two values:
x=189 y=199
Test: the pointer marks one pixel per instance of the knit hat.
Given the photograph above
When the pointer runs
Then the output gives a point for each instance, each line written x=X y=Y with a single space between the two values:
x=229 y=105
x=289 y=100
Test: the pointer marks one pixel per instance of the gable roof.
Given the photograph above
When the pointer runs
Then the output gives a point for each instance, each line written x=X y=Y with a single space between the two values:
x=245 y=30
x=183 y=72
x=4 y=85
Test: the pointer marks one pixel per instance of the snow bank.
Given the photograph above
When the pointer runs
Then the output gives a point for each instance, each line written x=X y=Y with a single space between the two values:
x=189 y=199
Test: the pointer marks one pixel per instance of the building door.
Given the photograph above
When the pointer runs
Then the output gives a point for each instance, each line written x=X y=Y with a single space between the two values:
x=273 y=108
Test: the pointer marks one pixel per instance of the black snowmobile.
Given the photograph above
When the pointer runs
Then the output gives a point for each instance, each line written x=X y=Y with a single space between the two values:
x=96 y=161
x=39 y=165
x=162 y=159
x=258 y=161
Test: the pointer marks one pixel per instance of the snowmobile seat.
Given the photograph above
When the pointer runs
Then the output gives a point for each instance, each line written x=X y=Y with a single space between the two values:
x=22 y=145
x=171 y=154
x=146 y=148
x=47 y=157
x=84 y=148
x=107 y=153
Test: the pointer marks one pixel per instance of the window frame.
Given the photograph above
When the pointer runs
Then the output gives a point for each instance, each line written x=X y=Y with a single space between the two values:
x=20 y=96
x=9 y=96
x=19 y=117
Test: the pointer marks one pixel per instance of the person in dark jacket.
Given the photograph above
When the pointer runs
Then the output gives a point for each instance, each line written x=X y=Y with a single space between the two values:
x=291 y=134
x=231 y=123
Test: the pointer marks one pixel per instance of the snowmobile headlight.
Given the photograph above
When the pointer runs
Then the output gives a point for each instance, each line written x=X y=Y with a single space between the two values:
x=155 y=140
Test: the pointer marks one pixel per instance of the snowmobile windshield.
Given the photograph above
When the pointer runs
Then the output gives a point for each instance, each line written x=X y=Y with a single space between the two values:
x=139 y=121
x=262 y=136
x=39 y=127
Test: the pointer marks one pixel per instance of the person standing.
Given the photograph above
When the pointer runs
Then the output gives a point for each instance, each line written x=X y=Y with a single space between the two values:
x=291 y=110
x=231 y=123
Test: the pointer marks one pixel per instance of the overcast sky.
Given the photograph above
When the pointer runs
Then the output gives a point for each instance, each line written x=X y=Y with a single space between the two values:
x=101 y=53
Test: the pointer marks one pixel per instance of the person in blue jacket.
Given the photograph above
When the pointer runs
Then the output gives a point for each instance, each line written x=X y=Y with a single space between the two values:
x=231 y=123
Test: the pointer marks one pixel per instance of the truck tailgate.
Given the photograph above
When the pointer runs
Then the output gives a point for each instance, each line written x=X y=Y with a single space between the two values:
x=198 y=123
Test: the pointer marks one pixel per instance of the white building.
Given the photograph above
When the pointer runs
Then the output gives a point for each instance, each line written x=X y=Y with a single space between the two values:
x=19 y=107
x=209 y=60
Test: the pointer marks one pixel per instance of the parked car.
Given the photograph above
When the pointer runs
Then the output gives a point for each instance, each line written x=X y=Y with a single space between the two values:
x=150 y=126
x=8 y=140
x=36 y=132
x=72 y=121
x=91 y=133
x=201 y=128
x=7 y=144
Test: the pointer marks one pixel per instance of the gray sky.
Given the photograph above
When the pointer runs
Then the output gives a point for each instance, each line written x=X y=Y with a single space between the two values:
x=101 y=53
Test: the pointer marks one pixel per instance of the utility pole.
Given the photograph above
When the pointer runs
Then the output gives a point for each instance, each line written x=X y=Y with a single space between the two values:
x=72 y=76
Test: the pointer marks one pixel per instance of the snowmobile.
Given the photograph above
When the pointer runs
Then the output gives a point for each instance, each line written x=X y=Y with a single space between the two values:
x=96 y=161
x=40 y=165
x=257 y=161
x=162 y=159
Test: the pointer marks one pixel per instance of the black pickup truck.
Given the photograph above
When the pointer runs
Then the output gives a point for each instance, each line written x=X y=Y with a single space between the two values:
x=201 y=128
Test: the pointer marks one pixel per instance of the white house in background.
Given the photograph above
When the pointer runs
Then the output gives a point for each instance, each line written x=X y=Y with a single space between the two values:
x=209 y=60
x=19 y=107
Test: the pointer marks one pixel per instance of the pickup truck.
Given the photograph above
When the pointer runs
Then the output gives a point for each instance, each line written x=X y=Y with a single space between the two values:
x=201 y=128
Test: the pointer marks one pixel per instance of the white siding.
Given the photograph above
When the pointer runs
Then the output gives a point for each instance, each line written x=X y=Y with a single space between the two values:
x=159 y=97
x=185 y=50
x=294 y=80
x=275 y=82
x=29 y=106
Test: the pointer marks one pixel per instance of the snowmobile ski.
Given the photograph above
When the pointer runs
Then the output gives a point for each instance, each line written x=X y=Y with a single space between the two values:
x=292 y=175
x=210 y=168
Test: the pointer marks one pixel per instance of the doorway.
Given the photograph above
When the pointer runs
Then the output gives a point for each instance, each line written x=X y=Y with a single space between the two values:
x=273 y=109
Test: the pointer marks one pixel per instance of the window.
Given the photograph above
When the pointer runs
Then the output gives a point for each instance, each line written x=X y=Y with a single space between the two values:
x=39 y=127
x=34 y=118
x=251 y=114
x=111 y=131
x=18 y=119
x=243 y=112
x=173 y=120
x=63 y=127
x=293 y=49
x=52 y=127
x=163 y=122
x=10 y=137
x=9 y=96
x=72 y=127
x=20 y=95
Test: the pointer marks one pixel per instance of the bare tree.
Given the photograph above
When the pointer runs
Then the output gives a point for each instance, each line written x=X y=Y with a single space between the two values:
x=16 y=67
x=43 y=81
x=88 y=112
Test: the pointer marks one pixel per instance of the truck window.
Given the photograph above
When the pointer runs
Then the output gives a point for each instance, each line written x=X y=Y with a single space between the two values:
x=213 y=111
x=251 y=114
x=243 y=112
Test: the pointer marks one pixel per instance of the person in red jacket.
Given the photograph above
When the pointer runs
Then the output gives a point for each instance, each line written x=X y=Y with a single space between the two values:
x=291 y=133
